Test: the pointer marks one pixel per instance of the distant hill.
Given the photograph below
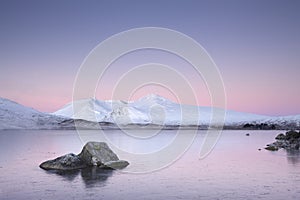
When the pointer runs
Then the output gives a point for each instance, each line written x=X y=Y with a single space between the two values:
x=154 y=109
x=16 y=116
x=150 y=111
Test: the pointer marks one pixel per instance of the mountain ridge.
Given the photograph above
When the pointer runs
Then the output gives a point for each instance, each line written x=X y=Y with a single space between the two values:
x=155 y=109
x=149 y=110
x=16 y=116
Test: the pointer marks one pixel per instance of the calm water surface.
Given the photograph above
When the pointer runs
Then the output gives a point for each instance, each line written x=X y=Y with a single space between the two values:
x=235 y=169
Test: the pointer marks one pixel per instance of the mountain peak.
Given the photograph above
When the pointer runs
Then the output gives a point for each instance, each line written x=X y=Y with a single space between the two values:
x=153 y=97
x=6 y=104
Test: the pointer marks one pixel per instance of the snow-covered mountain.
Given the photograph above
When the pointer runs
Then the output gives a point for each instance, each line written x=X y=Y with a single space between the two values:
x=16 y=116
x=154 y=109
x=288 y=122
x=149 y=110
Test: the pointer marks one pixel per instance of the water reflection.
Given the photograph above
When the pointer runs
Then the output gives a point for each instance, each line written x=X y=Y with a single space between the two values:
x=234 y=170
x=293 y=156
x=69 y=175
x=95 y=176
x=91 y=176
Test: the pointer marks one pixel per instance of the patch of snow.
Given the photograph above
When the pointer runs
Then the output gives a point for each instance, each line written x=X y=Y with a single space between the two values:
x=154 y=109
x=16 y=116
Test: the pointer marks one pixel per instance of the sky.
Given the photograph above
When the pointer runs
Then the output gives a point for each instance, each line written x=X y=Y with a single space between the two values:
x=255 y=45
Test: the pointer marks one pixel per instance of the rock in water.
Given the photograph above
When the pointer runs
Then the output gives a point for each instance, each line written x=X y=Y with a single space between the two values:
x=271 y=148
x=119 y=164
x=67 y=162
x=292 y=135
x=280 y=136
x=290 y=141
x=99 y=154
x=92 y=154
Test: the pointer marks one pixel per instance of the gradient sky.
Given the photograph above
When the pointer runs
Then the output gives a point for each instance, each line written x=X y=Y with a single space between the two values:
x=255 y=44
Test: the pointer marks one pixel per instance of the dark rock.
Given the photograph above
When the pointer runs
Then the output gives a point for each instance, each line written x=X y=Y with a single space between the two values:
x=247 y=134
x=93 y=154
x=281 y=144
x=67 y=162
x=280 y=136
x=290 y=141
x=97 y=153
x=272 y=148
x=290 y=135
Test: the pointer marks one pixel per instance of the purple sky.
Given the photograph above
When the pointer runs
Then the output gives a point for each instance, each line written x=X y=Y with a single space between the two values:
x=255 y=44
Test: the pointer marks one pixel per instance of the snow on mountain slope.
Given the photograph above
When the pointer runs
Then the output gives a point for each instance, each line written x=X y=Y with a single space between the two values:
x=88 y=109
x=291 y=120
x=16 y=116
x=154 y=109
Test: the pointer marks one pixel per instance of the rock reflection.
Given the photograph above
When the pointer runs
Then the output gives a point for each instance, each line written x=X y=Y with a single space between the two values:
x=69 y=175
x=95 y=176
x=91 y=176
x=293 y=157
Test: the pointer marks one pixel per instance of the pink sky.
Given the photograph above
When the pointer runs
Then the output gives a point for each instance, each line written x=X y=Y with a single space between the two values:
x=255 y=45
